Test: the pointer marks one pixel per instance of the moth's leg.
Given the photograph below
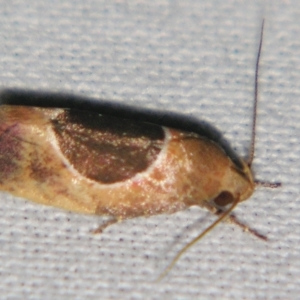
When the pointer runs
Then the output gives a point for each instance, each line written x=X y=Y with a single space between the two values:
x=233 y=220
x=106 y=224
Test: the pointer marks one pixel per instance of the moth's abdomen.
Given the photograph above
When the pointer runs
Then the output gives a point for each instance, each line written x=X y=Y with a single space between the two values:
x=88 y=163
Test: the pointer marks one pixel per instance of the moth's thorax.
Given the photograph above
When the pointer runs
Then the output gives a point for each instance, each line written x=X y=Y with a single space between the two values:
x=215 y=173
x=88 y=163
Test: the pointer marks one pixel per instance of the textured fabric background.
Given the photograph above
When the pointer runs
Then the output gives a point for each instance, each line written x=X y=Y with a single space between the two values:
x=191 y=57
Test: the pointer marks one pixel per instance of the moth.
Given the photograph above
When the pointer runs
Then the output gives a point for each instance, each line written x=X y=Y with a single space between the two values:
x=98 y=164
x=91 y=163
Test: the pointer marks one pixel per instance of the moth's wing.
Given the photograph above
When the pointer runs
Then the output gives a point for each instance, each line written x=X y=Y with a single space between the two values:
x=104 y=148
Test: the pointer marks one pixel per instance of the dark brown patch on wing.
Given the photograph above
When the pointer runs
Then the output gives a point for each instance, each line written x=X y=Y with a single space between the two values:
x=10 y=152
x=39 y=167
x=104 y=148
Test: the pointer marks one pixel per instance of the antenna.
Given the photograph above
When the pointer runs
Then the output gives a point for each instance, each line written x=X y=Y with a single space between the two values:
x=250 y=160
x=199 y=237
x=252 y=146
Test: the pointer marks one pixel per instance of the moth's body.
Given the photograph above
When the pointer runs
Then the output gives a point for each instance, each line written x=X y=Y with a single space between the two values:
x=89 y=163
x=76 y=161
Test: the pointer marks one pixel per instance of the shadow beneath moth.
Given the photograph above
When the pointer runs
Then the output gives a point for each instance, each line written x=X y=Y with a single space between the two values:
x=88 y=158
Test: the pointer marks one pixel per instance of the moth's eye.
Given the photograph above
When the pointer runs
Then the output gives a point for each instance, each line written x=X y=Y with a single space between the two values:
x=224 y=198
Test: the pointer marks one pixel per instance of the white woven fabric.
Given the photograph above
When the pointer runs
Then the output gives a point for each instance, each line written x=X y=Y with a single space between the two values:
x=191 y=57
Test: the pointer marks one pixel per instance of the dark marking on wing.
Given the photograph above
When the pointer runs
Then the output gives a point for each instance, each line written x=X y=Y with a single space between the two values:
x=104 y=148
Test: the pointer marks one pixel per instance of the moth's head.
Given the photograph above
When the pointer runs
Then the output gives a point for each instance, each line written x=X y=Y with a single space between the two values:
x=239 y=185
